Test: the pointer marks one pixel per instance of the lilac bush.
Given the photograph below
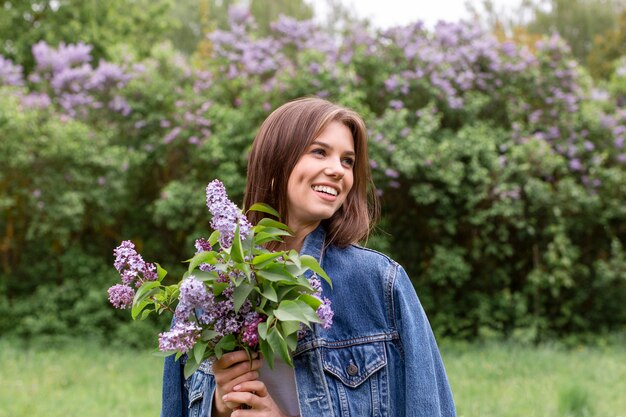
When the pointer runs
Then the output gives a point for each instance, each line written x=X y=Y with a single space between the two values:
x=500 y=166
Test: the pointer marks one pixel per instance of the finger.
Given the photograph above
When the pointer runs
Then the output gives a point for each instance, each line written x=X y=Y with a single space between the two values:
x=248 y=398
x=224 y=376
x=231 y=358
x=255 y=386
x=250 y=376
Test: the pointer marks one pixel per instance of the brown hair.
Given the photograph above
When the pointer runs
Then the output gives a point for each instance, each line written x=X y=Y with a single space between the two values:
x=283 y=138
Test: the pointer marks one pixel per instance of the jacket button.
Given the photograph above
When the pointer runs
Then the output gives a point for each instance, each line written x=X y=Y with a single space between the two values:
x=352 y=369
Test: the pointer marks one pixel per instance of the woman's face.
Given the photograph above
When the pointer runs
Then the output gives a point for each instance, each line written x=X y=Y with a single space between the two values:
x=322 y=177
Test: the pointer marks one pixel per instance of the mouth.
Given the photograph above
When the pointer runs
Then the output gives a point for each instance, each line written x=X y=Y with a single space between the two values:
x=325 y=189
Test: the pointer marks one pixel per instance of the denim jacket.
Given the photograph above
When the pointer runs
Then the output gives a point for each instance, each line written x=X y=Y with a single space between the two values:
x=379 y=358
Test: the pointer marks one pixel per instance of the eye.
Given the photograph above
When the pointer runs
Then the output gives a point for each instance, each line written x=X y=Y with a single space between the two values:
x=318 y=151
x=348 y=162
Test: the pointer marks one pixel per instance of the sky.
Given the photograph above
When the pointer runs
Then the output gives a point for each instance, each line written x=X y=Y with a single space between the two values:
x=386 y=13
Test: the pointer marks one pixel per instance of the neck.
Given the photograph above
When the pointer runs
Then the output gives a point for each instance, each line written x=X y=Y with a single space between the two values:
x=300 y=232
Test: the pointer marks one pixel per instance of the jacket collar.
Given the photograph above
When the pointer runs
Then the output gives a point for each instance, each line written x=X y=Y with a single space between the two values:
x=314 y=243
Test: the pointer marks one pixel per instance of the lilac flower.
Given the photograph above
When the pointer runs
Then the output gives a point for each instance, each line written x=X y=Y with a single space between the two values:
x=181 y=337
x=36 y=101
x=10 y=74
x=575 y=165
x=131 y=265
x=225 y=214
x=121 y=296
x=202 y=245
x=326 y=313
x=396 y=104
x=193 y=294
x=250 y=334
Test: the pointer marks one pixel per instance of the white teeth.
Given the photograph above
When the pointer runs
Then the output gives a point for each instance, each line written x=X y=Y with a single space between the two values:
x=325 y=189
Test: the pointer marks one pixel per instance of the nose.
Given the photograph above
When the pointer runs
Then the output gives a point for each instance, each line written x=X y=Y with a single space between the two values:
x=334 y=168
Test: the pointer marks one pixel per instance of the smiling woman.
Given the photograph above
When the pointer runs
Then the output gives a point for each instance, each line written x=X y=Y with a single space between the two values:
x=379 y=357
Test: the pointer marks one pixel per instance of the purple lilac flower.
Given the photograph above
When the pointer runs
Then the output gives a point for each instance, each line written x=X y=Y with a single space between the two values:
x=131 y=265
x=36 y=101
x=121 y=296
x=182 y=336
x=10 y=74
x=193 y=294
x=225 y=214
x=250 y=334
x=202 y=245
x=325 y=312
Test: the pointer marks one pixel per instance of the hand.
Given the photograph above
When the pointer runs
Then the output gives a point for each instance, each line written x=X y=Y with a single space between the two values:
x=253 y=394
x=232 y=369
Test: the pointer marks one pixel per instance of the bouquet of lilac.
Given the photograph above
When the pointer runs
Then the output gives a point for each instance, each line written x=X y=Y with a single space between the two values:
x=236 y=294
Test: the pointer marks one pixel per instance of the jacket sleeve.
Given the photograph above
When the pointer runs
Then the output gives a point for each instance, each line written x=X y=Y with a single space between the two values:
x=174 y=396
x=426 y=388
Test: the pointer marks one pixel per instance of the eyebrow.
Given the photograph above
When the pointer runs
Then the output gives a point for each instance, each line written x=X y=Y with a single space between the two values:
x=327 y=146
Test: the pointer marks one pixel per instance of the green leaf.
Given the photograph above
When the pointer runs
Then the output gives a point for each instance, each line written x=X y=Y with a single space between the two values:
x=268 y=291
x=264 y=208
x=262 y=237
x=219 y=287
x=145 y=291
x=208 y=334
x=295 y=310
x=207 y=257
x=198 y=351
x=191 y=366
x=289 y=327
x=312 y=264
x=240 y=294
x=205 y=275
x=292 y=341
x=236 y=250
x=312 y=301
x=266 y=257
x=226 y=344
x=214 y=238
x=274 y=277
x=267 y=222
x=274 y=231
x=295 y=258
x=266 y=350
x=161 y=273
x=138 y=308
x=262 y=329
x=279 y=345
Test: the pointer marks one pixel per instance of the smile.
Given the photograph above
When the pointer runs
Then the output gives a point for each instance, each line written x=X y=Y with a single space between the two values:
x=325 y=189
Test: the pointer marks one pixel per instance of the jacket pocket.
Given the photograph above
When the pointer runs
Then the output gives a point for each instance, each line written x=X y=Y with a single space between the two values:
x=357 y=378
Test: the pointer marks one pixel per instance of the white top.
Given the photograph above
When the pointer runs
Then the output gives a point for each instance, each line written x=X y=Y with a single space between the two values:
x=281 y=385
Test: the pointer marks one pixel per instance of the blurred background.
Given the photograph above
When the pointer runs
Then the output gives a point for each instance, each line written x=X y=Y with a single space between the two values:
x=497 y=134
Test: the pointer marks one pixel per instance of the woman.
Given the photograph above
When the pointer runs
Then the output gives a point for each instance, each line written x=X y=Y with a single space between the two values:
x=379 y=358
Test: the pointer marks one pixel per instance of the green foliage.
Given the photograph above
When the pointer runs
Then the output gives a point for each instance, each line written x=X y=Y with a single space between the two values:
x=101 y=24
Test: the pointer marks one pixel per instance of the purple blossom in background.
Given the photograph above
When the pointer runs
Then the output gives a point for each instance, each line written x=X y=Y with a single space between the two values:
x=225 y=214
x=575 y=165
x=10 y=74
x=396 y=104
x=36 y=101
x=121 y=296
x=61 y=58
x=181 y=337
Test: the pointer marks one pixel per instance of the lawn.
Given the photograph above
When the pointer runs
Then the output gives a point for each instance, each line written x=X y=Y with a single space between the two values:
x=496 y=380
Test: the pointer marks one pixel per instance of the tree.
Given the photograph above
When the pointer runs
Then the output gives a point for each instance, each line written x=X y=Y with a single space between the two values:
x=140 y=23
x=608 y=47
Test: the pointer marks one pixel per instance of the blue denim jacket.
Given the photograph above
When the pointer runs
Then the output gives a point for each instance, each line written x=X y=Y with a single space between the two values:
x=379 y=358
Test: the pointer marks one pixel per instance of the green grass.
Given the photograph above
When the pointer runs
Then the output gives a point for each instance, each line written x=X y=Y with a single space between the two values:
x=503 y=380
x=496 y=380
